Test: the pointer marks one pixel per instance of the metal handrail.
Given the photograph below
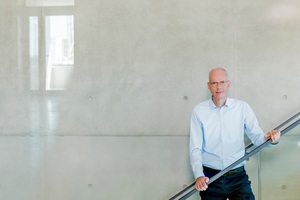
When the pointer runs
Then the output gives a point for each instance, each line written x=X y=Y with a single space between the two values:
x=245 y=157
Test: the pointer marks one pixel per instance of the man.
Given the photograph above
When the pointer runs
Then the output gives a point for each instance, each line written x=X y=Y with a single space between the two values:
x=217 y=140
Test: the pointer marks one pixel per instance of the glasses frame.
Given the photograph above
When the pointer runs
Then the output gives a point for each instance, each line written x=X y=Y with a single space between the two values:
x=216 y=84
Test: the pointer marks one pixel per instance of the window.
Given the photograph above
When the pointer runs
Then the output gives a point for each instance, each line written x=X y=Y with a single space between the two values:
x=50 y=3
x=34 y=52
x=59 y=51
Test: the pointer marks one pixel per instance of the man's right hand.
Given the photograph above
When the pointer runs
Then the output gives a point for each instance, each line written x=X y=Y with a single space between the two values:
x=200 y=184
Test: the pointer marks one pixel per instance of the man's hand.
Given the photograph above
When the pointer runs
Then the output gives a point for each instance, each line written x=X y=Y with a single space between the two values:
x=200 y=184
x=274 y=135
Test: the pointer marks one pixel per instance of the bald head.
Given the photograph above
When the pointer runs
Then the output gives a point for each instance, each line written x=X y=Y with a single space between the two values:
x=217 y=71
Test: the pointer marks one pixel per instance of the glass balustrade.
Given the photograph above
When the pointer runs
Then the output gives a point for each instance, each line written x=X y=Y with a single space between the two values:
x=274 y=170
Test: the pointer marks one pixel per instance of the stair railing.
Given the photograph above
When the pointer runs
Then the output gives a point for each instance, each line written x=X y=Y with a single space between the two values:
x=190 y=190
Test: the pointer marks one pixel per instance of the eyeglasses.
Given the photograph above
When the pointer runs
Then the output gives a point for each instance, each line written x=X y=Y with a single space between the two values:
x=221 y=83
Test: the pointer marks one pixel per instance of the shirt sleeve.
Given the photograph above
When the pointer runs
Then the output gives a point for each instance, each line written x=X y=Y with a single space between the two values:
x=252 y=128
x=195 y=147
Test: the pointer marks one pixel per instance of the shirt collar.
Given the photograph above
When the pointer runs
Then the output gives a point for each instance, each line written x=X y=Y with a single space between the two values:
x=229 y=103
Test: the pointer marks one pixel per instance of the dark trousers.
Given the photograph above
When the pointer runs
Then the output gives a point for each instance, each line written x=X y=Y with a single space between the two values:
x=234 y=185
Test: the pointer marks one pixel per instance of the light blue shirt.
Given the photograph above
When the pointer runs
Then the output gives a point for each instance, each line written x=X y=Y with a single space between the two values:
x=217 y=134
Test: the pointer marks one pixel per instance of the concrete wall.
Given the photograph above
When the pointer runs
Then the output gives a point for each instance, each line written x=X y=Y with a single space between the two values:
x=120 y=129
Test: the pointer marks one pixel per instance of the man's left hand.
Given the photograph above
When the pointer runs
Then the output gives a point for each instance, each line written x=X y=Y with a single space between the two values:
x=274 y=135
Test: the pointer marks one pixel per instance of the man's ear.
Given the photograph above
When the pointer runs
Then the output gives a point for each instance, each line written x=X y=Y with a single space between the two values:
x=229 y=83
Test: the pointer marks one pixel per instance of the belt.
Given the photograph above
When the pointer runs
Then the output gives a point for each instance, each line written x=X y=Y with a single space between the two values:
x=231 y=172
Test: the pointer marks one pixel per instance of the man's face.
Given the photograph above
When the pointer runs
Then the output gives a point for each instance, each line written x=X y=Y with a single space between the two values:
x=218 y=84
